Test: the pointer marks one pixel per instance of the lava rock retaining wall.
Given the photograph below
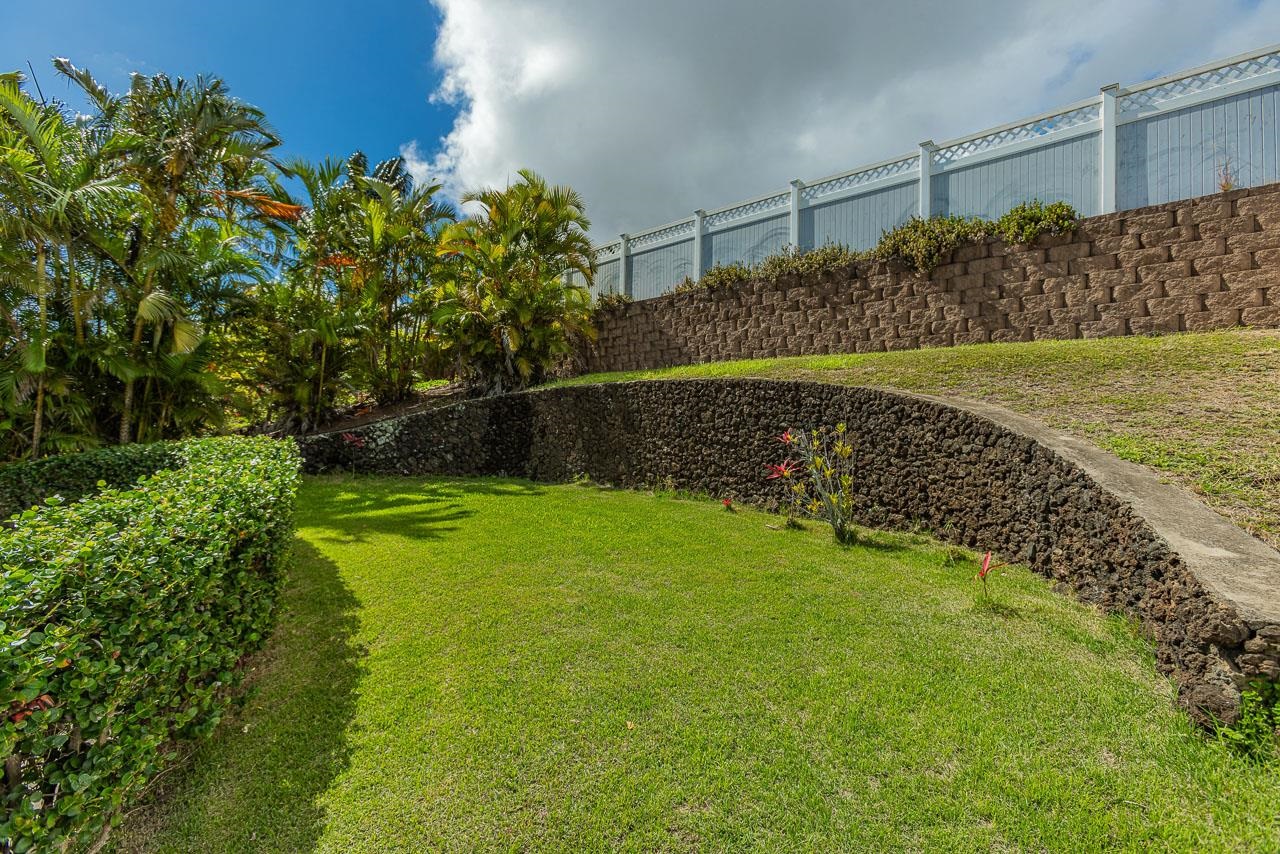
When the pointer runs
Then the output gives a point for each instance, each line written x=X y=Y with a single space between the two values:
x=964 y=476
x=1200 y=264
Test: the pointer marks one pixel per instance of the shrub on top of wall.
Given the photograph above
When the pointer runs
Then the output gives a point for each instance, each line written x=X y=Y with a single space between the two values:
x=790 y=261
x=793 y=261
x=1027 y=221
x=71 y=476
x=123 y=617
x=918 y=244
x=611 y=302
x=719 y=276
x=922 y=244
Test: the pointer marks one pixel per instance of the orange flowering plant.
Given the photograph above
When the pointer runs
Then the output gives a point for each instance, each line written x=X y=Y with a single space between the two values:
x=819 y=475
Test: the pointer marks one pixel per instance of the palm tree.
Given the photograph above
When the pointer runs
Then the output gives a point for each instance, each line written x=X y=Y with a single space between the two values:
x=393 y=235
x=546 y=223
x=52 y=189
x=508 y=310
x=173 y=140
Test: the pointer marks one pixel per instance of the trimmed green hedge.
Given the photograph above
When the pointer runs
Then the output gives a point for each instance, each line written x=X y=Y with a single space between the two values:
x=124 y=617
x=72 y=476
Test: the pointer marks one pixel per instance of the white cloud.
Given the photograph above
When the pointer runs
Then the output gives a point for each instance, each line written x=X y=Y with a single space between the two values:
x=417 y=164
x=653 y=109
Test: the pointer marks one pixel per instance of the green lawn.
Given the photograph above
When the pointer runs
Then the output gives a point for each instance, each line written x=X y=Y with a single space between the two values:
x=497 y=665
x=1204 y=407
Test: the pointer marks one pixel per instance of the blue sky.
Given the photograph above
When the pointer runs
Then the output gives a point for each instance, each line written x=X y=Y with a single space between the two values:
x=332 y=77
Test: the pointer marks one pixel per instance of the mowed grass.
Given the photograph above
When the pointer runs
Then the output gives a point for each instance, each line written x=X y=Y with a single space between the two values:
x=495 y=665
x=1203 y=408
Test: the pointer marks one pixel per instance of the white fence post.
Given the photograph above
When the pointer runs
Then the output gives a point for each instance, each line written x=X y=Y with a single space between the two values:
x=793 y=235
x=927 y=148
x=624 y=271
x=699 y=229
x=1107 y=150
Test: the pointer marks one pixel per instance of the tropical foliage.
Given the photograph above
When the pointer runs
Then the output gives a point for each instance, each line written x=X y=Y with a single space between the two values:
x=507 y=308
x=164 y=272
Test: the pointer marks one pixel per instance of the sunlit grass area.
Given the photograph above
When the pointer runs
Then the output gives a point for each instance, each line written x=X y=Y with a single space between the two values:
x=493 y=664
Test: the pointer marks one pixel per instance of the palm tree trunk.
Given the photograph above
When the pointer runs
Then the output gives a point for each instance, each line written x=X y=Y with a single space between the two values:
x=42 y=299
x=324 y=351
x=77 y=318
x=126 y=407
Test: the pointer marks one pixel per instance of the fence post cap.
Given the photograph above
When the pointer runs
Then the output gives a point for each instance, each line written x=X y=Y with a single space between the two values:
x=1111 y=88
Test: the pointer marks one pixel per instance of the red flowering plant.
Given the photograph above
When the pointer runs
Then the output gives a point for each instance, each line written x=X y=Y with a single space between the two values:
x=728 y=504
x=819 y=475
x=986 y=569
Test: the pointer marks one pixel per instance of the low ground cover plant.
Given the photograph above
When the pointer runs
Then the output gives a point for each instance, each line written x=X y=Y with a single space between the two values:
x=1256 y=735
x=123 y=617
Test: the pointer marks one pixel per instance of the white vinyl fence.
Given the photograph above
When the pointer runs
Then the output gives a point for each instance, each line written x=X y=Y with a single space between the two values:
x=1159 y=141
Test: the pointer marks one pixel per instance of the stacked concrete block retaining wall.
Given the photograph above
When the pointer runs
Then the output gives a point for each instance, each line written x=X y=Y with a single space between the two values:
x=1105 y=529
x=1207 y=263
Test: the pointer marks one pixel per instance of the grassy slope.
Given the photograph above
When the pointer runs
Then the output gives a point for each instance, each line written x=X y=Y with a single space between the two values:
x=1204 y=408
x=492 y=664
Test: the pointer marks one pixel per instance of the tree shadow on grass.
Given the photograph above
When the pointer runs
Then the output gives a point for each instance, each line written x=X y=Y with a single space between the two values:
x=350 y=509
x=258 y=783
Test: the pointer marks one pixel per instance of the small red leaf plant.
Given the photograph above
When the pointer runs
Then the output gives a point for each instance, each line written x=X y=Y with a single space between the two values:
x=820 y=482
x=986 y=569
x=728 y=504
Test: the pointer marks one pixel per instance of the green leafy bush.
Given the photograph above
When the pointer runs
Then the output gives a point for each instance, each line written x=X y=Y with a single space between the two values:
x=611 y=302
x=789 y=261
x=72 y=476
x=122 y=620
x=918 y=244
x=793 y=261
x=719 y=276
x=923 y=244
x=1027 y=221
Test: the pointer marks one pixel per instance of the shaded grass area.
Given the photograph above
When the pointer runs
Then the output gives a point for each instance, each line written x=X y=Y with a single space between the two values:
x=1202 y=407
x=256 y=785
x=492 y=664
